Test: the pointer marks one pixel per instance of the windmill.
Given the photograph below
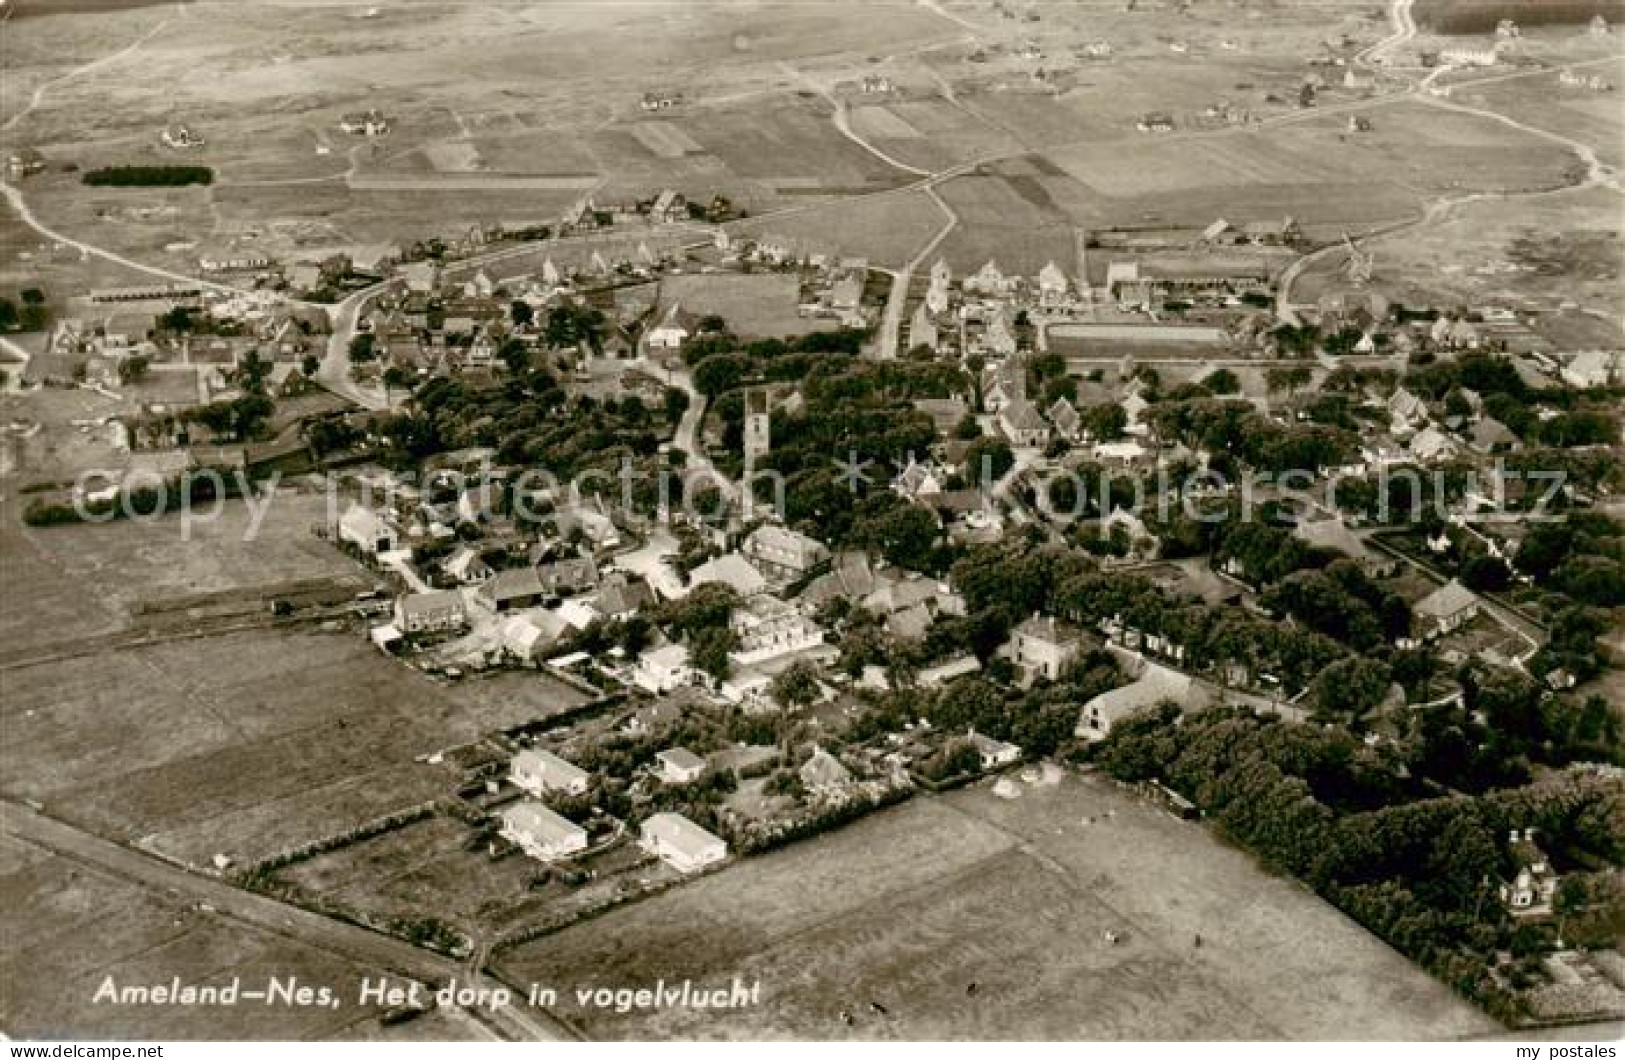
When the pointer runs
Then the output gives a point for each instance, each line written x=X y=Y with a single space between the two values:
x=1360 y=265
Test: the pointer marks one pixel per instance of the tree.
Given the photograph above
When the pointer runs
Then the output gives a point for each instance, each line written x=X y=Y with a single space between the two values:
x=967 y=429
x=310 y=364
x=1288 y=380
x=8 y=315
x=362 y=347
x=1222 y=381
x=988 y=460
x=133 y=370
x=709 y=649
x=1350 y=686
x=676 y=401
x=396 y=378
x=798 y=685
x=521 y=313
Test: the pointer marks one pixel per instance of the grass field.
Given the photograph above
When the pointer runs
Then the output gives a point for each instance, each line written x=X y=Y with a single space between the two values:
x=912 y=907
x=888 y=229
x=68 y=926
x=1552 y=250
x=759 y=304
x=1007 y=218
x=240 y=744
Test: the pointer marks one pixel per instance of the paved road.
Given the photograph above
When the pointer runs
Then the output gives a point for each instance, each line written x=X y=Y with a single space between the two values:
x=342 y=940
x=687 y=437
x=334 y=373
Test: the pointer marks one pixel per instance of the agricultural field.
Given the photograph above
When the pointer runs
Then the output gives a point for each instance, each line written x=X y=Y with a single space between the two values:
x=969 y=917
x=1009 y=218
x=931 y=134
x=242 y=743
x=758 y=304
x=82 y=924
x=887 y=229
x=1594 y=118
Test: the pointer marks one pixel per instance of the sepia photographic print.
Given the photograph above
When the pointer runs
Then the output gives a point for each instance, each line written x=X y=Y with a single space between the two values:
x=812 y=521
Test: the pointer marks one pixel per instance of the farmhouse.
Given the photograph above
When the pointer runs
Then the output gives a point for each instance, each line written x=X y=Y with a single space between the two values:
x=669 y=208
x=990 y=280
x=730 y=569
x=540 y=832
x=672 y=331
x=1023 y=424
x=509 y=590
x=1053 y=288
x=681 y=843
x=1446 y=609
x=1155 y=122
x=1155 y=685
x=24 y=162
x=1530 y=891
x=781 y=554
x=364 y=123
x=1594 y=368
x=679 y=765
x=1003 y=383
x=568 y=576
x=995 y=753
x=179 y=137
x=438 y=611
x=367 y=530
x=544 y=773
x=1042 y=646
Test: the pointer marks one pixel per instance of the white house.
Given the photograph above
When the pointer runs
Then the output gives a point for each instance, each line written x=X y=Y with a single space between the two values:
x=1042 y=646
x=438 y=611
x=681 y=843
x=544 y=773
x=995 y=753
x=663 y=669
x=1155 y=685
x=367 y=530
x=670 y=334
x=679 y=765
x=1446 y=609
x=540 y=832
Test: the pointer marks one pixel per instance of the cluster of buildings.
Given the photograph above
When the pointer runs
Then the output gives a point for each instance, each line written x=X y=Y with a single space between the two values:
x=548 y=836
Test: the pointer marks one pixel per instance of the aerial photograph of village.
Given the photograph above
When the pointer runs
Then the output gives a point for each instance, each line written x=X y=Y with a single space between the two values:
x=772 y=520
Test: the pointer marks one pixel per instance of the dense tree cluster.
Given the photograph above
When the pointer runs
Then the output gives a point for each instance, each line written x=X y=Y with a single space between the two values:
x=1420 y=872
x=148 y=176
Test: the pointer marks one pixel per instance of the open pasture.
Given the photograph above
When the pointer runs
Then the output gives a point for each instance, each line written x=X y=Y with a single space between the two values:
x=911 y=907
x=68 y=926
x=1009 y=218
x=887 y=229
x=240 y=744
x=757 y=304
